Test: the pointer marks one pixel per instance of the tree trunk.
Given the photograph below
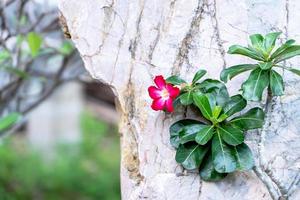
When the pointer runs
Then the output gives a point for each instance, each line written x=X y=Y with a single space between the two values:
x=126 y=43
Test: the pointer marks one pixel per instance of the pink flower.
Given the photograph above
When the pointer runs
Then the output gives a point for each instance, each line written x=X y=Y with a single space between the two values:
x=163 y=95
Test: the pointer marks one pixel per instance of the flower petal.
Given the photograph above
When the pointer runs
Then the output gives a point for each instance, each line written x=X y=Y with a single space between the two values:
x=173 y=91
x=169 y=105
x=158 y=104
x=154 y=92
x=160 y=81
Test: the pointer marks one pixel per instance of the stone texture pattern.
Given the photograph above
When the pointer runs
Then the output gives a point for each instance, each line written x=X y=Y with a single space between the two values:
x=125 y=43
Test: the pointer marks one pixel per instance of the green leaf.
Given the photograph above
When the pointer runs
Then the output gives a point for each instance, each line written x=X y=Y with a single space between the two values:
x=236 y=104
x=4 y=55
x=9 y=120
x=216 y=111
x=244 y=157
x=198 y=75
x=289 y=52
x=265 y=65
x=66 y=48
x=18 y=72
x=205 y=134
x=295 y=71
x=208 y=172
x=257 y=40
x=223 y=156
x=231 y=135
x=34 y=41
x=252 y=119
x=282 y=48
x=175 y=80
x=176 y=128
x=229 y=73
x=256 y=83
x=202 y=102
x=189 y=132
x=276 y=83
x=190 y=156
x=222 y=118
x=186 y=98
x=269 y=41
x=237 y=49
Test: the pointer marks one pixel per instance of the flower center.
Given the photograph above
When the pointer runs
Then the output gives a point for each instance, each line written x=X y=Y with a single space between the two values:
x=165 y=94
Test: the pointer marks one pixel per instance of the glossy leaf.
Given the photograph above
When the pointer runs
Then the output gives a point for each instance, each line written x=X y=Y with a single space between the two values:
x=9 y=120
x=244 y=157
x=223 y=156
x=176 y=128
x=186 y=98
x=208 y=172
x=199 y=74
x=289 y=52
x=190 y=156
x=265 y=65
x=231 y=135
x=202 y=102
x=205 y=134
x=175 y=80
x=237 y=49
x=189 y=132
x=236 y=104
x=229 y=73
x=34 y=41
x=276 y=83
x=269 y=41
x=252 y=119
x=256 y=83
x=282 y=48
x=257 y=40
x=216 y=111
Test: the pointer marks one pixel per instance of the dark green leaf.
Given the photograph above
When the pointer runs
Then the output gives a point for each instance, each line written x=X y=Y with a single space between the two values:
x=189 y=132
x=252 y=119
x=256 y=83
x=269 y=41
x=231 y=135
x=198 y=75
x=265 y=65
x=176 y=128
x=208 y=172
x=202 y=102
x=18 y=72
x=9 y=120
x=175 y=80
x=276 y=83
x=223 y=156
x=205 y=134
x=257 y=40
x=186 y=98
x=190 y=155
x=237 y=49
x=244 y=157
x=34 y=41
x=289 y=52
x=282 y=48
x=236 y=104
x=229 y=73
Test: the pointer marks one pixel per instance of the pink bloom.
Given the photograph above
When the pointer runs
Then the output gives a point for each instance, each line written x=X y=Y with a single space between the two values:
x=163 y=95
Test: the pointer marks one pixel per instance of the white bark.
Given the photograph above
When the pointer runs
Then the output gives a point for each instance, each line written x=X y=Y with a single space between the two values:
x=126 y=43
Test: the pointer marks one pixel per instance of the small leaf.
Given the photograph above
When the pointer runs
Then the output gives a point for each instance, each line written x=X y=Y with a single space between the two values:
x=176 y=128
x=186 y=98
x=236 y=104
x=9 y=120
x=208 y=172
x=205 y=134
x=198 y=75
x=237 y=49
x=202 y=102
x=4 y=55
x=34 y=41
x=244 y=157
x=265 y=65
x=282 y=48
x=175 y=80
x=256 y=83
x=269 y=41
x=252 y=119
x=229 y=73
x=295 y=71
x=66 y=48
x=216 y=111
x=276 y=83
x=223 y=156
x=288 y=53
x=18 y=72
x=257 y=40
x=231 y=135
x=222 y=118
x=190 y=156
x=189 y=132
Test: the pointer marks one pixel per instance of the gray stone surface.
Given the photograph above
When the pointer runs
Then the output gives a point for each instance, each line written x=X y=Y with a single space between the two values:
x=126 y=43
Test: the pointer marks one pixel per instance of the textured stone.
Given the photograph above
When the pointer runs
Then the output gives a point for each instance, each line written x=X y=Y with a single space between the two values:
x=126 y=43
